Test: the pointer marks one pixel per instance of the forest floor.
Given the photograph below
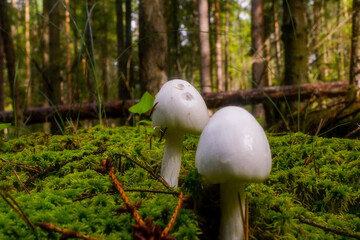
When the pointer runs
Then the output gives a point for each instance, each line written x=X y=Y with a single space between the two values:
x=56 y=185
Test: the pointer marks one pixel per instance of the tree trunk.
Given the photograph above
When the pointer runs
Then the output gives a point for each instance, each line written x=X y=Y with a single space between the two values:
x=5 y=31
x=277 y=40
x=128 y=36
x=27 y=50
x=318 y=9
x=68 y=51
x=174 y=40
x=295 y=42
x=2 y=82
x=123 y=90
x=227 y=41
x=152 y=45
x=90 y=59
x=355 y=47
x=205 y=67
x=194 y=42
x=258 y=46
x=45 y=51
x=104 y=62
x=219 y=75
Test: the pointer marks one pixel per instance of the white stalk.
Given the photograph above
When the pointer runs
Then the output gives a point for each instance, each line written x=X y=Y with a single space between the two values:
x=231 y=225
x=171 y=163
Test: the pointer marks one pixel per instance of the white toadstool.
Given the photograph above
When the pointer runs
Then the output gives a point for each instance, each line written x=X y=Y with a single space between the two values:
x=232 y=150
x=178 y=109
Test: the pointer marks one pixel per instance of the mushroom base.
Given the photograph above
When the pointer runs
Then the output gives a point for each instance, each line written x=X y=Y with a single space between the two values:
x=231 y=226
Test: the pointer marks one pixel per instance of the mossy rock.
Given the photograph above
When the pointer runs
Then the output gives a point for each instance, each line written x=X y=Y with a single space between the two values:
x=312 y=178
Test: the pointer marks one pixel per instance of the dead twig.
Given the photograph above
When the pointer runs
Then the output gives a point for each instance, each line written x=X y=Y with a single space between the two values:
x=336 y=231
x=17 y=209
x=65 y=233
x=22 y=184
x=152 y=173
x=22 y=165
x=174 y=216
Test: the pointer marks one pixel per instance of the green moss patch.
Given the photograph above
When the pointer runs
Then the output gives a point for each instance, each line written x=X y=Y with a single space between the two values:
x=313 y=180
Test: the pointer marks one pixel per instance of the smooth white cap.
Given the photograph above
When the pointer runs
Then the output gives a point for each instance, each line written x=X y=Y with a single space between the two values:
x=233 y=146
x=180 y=107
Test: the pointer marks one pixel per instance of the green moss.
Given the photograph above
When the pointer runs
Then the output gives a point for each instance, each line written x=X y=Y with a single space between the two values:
x=312 y=177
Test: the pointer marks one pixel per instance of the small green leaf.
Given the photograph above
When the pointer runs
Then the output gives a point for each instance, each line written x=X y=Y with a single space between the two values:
x=145 y=104
x=145 y=122
x=4 y=125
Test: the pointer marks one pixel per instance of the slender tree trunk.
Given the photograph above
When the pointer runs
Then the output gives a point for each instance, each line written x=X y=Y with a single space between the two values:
x=258 y=47
x=104 y=54
x=128 y=41
x=2 y=82
x=5 y=31
x=205 y=65
x=277 y=40
x=227 y=41
x=174 y=40
x=217 y=21
x=68 y=52
x=152 y=45
x=90 y=59
x=295 y=42
x=355 y=47
x=27 y=50
x=194 y=41
x=45 y=50
x=318 y=9
x=122 y=60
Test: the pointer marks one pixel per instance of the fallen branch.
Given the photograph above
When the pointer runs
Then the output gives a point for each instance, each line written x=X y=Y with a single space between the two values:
x=65 y=233
x=57 y=166
x=116 y=109
x=336 y=231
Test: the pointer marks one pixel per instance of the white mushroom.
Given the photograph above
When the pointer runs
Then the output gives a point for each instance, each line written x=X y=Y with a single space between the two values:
x=232 y=150
x=178 y=109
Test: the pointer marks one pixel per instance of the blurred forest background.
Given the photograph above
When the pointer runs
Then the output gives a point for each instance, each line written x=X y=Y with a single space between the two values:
x=62 y=52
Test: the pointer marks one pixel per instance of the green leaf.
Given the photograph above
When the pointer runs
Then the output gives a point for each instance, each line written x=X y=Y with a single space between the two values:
x=145 y=104
x=4 y=125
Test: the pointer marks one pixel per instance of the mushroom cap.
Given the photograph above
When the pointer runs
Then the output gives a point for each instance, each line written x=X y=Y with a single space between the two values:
x=180 y=108
x=233 y=146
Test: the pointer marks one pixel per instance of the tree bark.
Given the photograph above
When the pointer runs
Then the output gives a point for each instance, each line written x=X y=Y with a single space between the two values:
x=277 y=40
x=217 y=21
x=213 y=100
x=5 y=31
x=68 y=51
x=27 y=50
x=355 y=47
x=227 y=42
x=318 y=10
x=295 y=42
x=128 y=41
x=123 y=90
x=174 y=39
x=2 y=82
x=152 y=45
x=104 y=62
x=90 y=59
x=205 y=66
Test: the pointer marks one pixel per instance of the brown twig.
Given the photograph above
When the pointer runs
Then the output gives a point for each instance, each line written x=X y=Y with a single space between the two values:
x=57 y=166
x=119 y=188
x=17 y=209
x=336 y=231
x=20 y=164
x=174 y=216
x=65 y=233
x=22 y=184
x=152 y=173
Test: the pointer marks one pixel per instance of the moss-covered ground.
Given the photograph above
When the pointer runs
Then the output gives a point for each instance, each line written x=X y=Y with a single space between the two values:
x=313 y=181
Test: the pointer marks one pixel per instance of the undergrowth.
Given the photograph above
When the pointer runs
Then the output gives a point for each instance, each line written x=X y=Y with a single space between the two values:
x=313 y=180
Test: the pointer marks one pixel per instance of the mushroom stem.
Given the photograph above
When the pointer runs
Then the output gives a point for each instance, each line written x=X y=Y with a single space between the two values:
x=231 y=225
x=170 y=167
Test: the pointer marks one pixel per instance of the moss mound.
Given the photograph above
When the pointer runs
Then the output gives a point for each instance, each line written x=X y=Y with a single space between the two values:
x=313 y=180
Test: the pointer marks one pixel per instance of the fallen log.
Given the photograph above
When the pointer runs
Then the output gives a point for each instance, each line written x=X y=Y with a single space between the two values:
x=116 y=109
x=277 y=93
